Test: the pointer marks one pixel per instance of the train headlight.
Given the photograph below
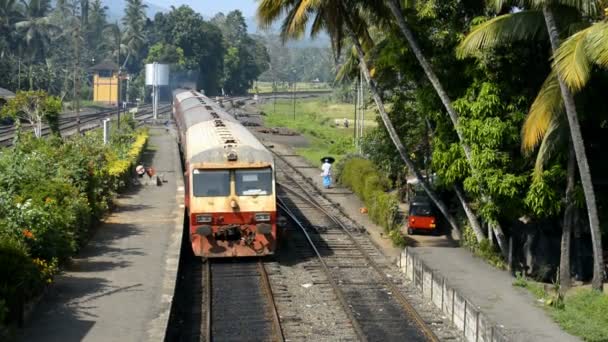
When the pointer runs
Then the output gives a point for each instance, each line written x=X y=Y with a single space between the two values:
x=204 y=218
x=262 y=217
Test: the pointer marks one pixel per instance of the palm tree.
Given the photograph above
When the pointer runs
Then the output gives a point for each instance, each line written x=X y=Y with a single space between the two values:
x=96 y=23
x=539 y=22
x=134 y=21
x=342 y=21
x=10 y=12
x=36 y=32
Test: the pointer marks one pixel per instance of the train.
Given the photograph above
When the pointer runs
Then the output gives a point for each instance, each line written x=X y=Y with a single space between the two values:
x=229 y=179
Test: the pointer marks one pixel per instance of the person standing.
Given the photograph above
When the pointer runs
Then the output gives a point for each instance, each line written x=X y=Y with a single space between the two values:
x=326 y=174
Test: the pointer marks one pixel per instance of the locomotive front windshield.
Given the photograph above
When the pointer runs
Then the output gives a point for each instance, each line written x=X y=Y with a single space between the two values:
x=253 y=182
x=211 y=183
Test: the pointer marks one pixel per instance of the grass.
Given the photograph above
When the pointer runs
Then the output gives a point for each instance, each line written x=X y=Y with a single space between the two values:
x=314 y=118
x=583 y=312
x=266 y=87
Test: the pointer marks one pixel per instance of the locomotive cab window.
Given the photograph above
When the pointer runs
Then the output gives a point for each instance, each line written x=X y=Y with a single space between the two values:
x=253 y=182
x=211 y=183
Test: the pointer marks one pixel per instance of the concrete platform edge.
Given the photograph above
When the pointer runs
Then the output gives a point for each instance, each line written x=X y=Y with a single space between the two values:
x=158 y=326
x=460 y=310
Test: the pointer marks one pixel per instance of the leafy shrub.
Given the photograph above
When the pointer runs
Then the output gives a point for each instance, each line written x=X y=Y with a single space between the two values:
x=363 y=178
x=51 y=191
x=482 y=249
x=19 y=276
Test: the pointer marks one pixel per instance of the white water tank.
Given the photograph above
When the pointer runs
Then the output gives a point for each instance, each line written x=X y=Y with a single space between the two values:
x=157 y=74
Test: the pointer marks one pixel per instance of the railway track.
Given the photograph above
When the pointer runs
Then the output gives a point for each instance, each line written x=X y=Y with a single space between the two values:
x=239 y=302
x=67 y=124
x=357 y=271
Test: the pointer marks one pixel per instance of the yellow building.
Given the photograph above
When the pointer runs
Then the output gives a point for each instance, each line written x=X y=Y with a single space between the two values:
x=105 y=82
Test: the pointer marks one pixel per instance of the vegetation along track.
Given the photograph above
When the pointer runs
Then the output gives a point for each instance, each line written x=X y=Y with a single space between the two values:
x=355 y=268
x=88 y=121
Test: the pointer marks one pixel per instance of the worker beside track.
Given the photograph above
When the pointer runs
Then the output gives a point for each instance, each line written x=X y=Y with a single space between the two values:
x=326 y=174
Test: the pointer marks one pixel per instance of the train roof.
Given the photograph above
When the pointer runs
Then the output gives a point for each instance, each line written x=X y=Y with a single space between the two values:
x=212 y=133
x=196 y=107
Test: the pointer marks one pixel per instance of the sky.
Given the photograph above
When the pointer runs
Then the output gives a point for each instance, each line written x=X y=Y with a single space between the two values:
x=208 y=8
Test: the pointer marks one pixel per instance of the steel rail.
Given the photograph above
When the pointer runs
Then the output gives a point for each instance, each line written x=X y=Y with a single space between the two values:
x=396 y=293
x=334 y=284
x=276 y=327
x=208 y=295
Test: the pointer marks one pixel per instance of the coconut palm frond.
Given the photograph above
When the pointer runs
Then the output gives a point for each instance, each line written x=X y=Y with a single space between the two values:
x=318 y=25
x=547 y=105
x=294 y=25
x=571 y=61
x=588 y=8
x=349 y=67
x=524 y=25
x=269 y=11
x=498 y=5
x=554 y=136
x=597 y=44
x=301 y=12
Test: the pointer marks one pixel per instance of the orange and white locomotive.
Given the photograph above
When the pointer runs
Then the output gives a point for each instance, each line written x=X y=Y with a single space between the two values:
x=229 y=181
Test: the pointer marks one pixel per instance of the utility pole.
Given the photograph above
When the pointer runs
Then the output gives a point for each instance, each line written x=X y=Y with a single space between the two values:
x=362 y=109
x=118 y=78
x=19 y=77
x=294 y=94
x=356 y=99
x=76 y=74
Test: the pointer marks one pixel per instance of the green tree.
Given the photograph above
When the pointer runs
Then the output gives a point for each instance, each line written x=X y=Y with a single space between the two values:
x=35 y=107
x=134 y=22
x=200 y=41
x=537 y=21
x=97 y=21
x=245 y=59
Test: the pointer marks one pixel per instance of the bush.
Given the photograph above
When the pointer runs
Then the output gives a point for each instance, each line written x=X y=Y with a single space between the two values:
x=51 y=191
x=20 y=278
x=482 y=249
x=363 y=178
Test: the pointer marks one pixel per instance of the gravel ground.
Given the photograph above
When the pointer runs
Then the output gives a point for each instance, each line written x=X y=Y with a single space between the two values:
x=307 y=306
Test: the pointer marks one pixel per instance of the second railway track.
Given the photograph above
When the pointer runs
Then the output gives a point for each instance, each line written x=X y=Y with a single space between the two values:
x=357 y=271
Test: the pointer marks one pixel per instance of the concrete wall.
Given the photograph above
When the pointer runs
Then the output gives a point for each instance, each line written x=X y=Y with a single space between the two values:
x=475 y=326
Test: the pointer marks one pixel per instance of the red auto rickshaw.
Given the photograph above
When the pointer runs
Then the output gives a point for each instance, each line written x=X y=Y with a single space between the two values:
x=421 y=216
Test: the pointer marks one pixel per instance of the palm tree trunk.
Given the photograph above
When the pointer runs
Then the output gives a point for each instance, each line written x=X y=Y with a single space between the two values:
x=31 y=77
x=393 y=134
x=447 y=103
x=564 y=262
x=581 y=159
x=428 y=70
x=475 y=225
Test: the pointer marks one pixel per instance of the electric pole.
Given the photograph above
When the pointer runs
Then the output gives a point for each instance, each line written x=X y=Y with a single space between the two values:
x=294 y=94
x=118 y=78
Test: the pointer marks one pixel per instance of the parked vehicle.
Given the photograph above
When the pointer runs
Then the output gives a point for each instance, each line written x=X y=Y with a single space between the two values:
x=421 y=216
